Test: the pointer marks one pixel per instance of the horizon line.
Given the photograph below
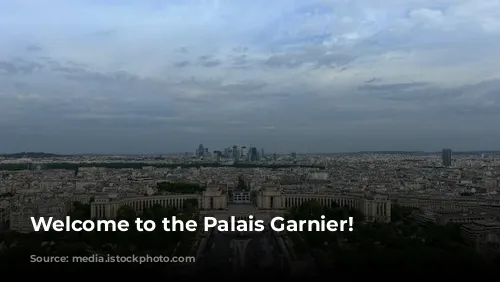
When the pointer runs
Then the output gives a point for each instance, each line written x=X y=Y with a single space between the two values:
x=315 y=153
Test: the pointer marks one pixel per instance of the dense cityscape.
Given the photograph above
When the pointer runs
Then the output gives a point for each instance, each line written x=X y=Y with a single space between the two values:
x=443 y=201
x=256 y=139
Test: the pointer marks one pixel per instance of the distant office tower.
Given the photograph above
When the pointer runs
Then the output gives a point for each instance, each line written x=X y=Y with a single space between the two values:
x=249 y=154
x=294 y=155
x=262 y=153
x=254 y=155
x=446 y=157
x=201 y=150
x=218 y=155
x=235 y=152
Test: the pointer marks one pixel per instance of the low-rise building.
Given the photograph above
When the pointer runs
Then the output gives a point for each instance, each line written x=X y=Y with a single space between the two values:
x=476 y=233
x=424 y=216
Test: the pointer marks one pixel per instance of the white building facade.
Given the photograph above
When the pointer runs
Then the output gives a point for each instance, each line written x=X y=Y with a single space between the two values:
x=270 y=202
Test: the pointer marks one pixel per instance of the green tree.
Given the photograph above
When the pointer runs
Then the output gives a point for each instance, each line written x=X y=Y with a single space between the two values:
x=190 y=206
x=399 y=213
x=312 y=210
x=80 y=211
x=309 y=210
x=157 y=239
x=179 y=187
x=126 y=213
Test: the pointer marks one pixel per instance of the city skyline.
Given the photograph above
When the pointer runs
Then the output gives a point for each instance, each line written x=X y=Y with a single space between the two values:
x=405 y=213
x=308 y=76
x=435 y=150
x=484 y=153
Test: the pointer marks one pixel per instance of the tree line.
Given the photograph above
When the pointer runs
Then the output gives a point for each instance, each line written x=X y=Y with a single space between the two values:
x=179 y=187
x=75 y=166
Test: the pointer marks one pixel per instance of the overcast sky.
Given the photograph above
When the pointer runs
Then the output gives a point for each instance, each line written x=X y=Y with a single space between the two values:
x=151 y=76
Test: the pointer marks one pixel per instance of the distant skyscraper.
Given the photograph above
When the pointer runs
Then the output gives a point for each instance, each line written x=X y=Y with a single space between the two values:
x=262 y=153
x=254 y=155
x=446 y=156
x=235 y=152
x=201 y=150
x=218 y=155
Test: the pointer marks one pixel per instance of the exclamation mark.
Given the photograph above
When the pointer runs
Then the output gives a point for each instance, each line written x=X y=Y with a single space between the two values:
x=351 y=221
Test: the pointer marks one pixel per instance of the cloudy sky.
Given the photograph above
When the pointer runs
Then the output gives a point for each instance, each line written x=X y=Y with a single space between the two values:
x=151 y=76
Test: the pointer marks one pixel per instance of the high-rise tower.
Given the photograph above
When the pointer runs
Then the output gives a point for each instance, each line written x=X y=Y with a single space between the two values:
x=201 y=150
x=446 y=157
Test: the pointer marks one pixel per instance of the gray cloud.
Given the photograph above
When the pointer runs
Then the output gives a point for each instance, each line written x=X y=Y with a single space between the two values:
x=373 y=80
x=313 y=76
x=205 y=58
x=34 y=48
x=211 y=64
x=105 y=33
x=240 y=49
x=391 y=87
x=240 y=60
x=182 y=64
x=208 y=61
x=318 y=57
x=18 y=66
x=183 y=50
x=246 y=111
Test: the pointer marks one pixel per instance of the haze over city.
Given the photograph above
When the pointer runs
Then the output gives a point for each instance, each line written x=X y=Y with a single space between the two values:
x=303 y=76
